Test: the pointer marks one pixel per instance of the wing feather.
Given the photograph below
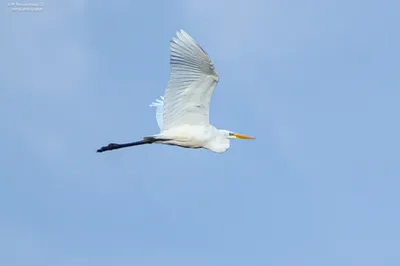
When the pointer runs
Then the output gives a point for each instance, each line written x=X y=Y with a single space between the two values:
x=159 y=105
x=191 y=84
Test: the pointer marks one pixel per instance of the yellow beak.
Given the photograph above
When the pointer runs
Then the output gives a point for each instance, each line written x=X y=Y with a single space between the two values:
x=241 y=136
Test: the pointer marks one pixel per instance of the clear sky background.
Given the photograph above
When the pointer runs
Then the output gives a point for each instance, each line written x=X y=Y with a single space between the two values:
x=317 y=82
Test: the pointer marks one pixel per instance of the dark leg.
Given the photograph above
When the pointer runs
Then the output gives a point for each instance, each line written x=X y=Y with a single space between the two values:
x=115 y=146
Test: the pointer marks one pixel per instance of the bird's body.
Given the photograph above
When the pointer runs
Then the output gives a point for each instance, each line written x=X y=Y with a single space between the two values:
x=183 y=112
x=196 y=136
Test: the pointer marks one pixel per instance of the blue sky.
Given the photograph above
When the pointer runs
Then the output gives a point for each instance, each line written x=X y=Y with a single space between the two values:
x=317 y=82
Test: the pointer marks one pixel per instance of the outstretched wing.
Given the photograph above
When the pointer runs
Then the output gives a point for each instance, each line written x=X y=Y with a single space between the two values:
x=159 y=105
x=191 y=84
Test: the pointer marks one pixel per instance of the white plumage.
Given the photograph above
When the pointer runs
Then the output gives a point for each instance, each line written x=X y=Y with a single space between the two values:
x=159 y=105
x=183 y=112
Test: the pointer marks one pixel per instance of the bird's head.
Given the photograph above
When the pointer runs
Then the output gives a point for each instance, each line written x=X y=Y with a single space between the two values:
x=232 y=135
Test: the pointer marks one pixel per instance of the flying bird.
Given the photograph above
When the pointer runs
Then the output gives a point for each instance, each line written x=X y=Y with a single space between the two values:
x=183 y=112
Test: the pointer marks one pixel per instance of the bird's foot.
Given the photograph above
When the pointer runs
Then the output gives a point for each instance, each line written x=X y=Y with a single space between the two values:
x=109 y=147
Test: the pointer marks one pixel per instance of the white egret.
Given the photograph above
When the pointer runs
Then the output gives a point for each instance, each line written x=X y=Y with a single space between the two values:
x=183 y=113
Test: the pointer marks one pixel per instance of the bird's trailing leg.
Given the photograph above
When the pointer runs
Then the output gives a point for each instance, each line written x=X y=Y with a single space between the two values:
x=115 y=146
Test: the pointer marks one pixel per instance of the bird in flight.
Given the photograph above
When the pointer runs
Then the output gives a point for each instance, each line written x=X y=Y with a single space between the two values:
x=183 y=112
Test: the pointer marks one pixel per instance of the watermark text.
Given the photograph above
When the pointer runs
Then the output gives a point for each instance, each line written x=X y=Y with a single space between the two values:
x=26 y=6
